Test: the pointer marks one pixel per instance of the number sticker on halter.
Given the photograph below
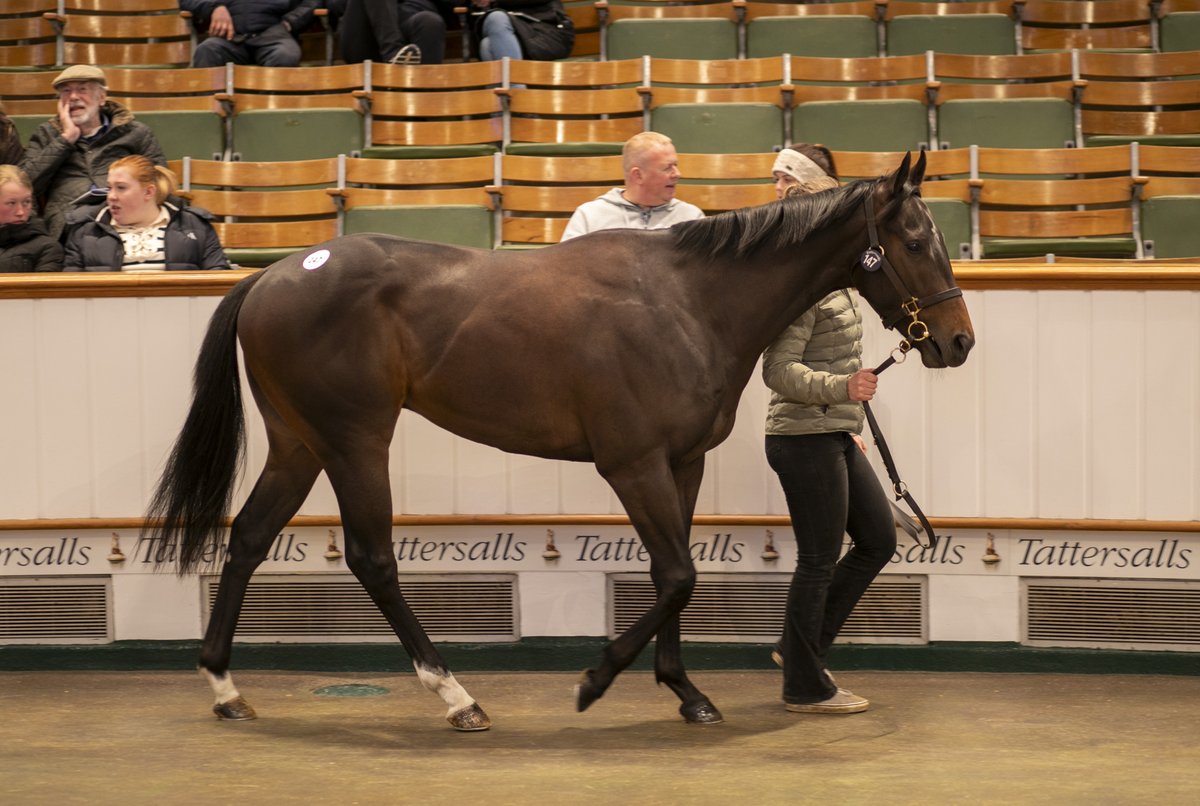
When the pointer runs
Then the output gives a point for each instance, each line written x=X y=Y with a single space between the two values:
x=871 y=259
x=316 y=260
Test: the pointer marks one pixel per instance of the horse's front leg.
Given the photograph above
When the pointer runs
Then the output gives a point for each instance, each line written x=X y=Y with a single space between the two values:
x=668 y=658
x=280 y=490
x=647 y=489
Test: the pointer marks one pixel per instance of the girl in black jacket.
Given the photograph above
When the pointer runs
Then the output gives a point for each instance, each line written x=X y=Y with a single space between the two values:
x=24 y=243
x=140 y=228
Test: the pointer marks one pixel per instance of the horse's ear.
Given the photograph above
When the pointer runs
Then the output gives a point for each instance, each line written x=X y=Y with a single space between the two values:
x=918 y=172
x=901 y=175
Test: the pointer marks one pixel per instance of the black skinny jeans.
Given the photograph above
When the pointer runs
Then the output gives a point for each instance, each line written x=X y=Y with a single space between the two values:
x=831 y=490
x=376 y=29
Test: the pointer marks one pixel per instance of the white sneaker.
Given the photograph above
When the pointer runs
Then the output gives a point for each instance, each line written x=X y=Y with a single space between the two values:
x=843 y=702
x=409 y=54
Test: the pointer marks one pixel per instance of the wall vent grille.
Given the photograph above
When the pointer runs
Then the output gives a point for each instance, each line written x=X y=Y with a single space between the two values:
x=1111 y=614
x=335 y=608
x=44 y=610
x=749 y=608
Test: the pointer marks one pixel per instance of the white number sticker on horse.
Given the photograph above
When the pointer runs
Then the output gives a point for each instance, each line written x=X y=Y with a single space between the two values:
x=316 y=260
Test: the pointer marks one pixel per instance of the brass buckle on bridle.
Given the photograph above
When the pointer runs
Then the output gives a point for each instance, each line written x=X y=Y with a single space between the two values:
x=916 y=330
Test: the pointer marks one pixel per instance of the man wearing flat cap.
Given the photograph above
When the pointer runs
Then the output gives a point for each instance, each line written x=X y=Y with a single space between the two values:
x=69 y=154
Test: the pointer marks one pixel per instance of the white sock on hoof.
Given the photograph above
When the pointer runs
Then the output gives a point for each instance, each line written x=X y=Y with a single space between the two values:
x=445 y=686
x=222 y=686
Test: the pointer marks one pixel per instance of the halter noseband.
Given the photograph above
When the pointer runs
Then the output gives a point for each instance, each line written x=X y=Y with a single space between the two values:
x=874 y=259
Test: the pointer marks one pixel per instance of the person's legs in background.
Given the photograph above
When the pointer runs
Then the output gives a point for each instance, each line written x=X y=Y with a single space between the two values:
x=427 y=30
x=275 y=47
x=216 y=51
x=498 y=38
x=370 y=31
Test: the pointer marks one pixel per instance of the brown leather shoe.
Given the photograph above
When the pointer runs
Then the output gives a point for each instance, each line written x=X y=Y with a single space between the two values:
x=843 y=702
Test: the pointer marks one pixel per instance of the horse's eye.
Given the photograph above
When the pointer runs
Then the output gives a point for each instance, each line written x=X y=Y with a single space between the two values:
x=913 y=247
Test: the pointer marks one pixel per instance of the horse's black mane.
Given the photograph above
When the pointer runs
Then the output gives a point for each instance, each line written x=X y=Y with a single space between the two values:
x=740 y=233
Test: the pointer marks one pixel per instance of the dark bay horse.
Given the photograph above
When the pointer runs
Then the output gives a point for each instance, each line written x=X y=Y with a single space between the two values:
x=624 y=348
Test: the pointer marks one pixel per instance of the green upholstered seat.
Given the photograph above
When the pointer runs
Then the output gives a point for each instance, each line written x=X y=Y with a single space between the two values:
x=720 y=128
x=458 y=224
x=835 y=35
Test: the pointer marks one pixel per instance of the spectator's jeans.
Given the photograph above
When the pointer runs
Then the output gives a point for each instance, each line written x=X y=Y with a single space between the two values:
x=376 y=29
x=274 y=47
x=498 y=39
x=831 y=490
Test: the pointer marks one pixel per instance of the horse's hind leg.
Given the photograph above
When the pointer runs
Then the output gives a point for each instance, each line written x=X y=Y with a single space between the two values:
x=286 y=480
x=360 y=480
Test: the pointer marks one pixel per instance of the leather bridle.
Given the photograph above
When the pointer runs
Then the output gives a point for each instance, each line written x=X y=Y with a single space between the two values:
x=911 y=306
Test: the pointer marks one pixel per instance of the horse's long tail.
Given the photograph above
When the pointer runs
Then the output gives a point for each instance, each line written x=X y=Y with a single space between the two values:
x=186 y=515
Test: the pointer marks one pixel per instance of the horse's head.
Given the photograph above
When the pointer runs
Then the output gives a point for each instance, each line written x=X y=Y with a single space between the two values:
x=905 y=273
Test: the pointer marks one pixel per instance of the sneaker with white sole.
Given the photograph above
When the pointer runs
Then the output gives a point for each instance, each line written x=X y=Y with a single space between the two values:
x=843 y=702
x=409 y=54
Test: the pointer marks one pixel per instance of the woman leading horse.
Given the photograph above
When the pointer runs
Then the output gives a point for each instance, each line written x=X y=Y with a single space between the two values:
x=626 y=349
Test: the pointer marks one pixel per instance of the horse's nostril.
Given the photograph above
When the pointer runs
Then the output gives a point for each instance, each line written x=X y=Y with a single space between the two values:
x=963 y=342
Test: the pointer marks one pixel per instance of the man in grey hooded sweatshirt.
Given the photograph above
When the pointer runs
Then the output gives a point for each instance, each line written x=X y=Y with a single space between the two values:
x=648 y=199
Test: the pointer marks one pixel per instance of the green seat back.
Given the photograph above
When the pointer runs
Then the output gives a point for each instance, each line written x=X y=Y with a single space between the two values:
x=720 y=128
x=953 y=218
x=259 y=257
x=27 y=124
x=1119 y=247
x=199 y=135
x=1169 y=226
x=1180 y=30
x=1094 y=140
x=702 y=38
x=458 y=224
x=983 y=34
x=833 y=35
x=392 y=152
x=564 y=149
x=272 y=135
x=1007 y=123
x=897 y=125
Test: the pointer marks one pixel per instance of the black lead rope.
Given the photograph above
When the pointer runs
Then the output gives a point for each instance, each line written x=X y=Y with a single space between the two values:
x=899 y=488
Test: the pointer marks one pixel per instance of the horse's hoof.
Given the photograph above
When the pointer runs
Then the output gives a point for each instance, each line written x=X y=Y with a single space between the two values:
x=586 y=691
x=236 y=709
x=470 y=718
x=704 y=713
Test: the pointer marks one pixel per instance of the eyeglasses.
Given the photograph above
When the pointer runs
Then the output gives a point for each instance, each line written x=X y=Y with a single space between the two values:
x=73 y=88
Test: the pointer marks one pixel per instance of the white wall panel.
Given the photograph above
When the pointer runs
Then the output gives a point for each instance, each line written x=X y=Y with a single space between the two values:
x=1062 y=406
x=533 y=486
x=116 y=406
x=1006 y=346
x=428 y=483
x=19 y=410
x=1074 y=404
x=1171 y=384
x=481 y=479
x=1117 y=357
x=64 y=430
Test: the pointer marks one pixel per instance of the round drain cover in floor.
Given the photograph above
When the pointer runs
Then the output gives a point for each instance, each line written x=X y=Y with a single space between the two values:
x=351 y=690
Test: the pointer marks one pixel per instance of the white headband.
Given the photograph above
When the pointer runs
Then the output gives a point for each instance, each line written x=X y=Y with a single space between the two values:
x=797 y=166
